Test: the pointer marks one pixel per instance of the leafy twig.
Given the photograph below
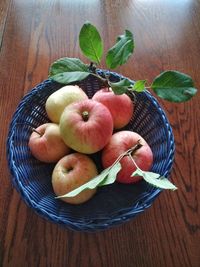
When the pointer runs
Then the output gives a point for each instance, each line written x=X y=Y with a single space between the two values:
x=170 y=85
x=109 y=175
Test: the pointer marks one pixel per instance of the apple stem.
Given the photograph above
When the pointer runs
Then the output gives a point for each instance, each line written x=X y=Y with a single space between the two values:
x=133 y=161
x=136 y=147
x=105 y=81
x=34 y=130
x=92 y=67
x=85 y=115
x=129 y=152
x=133 y=149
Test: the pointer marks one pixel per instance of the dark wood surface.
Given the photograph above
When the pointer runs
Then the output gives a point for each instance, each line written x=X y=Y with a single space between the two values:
x=167 y=35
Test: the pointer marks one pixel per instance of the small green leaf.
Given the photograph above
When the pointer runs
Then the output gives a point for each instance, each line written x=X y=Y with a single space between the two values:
x=139 y=86
x=90 y=42
x=155 y=179
x=121 y=51
x=107 y=176
x=174 y=86
x=120 y=87
x=69 y=77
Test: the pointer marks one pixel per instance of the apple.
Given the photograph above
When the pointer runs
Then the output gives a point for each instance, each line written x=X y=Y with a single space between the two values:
x=119 y=143
x=86 y=126
x=120 y=106
x=71 y=172
x=57 y=101
x=46 y=143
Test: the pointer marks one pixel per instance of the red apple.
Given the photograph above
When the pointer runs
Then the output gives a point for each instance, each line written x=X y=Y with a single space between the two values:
x=118 y=144
x=86 y=126
x=120 y=106
x=46 y=143
x=71 y=172
x=57 y=101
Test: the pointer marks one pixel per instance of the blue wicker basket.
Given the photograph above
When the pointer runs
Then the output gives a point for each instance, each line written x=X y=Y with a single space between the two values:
x=113 y=204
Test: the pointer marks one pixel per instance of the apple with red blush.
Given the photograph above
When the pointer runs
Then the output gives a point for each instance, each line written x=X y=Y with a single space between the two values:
x=46 y=143
x=71 y=172
x=86 y=126
x=142 y=155
x=120 y=106
x=56 y=102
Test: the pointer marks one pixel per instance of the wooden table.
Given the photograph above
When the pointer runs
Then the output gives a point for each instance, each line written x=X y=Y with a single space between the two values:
x=167 y=35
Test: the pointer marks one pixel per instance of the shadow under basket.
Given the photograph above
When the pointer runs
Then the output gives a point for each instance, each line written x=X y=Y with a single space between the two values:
x=112 y=204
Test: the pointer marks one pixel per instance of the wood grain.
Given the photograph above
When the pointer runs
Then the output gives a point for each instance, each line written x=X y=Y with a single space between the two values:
x=167 y=36
x=4 y=5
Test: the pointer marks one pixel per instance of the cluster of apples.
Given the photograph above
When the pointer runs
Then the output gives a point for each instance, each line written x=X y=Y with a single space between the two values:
x=80 y=127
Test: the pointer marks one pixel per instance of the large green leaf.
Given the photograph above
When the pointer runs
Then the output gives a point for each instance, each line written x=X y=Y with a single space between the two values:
x=90 y=42
x=69 y=77
x=67 y=70
x=112 y=174
x=107 y=176
x=174 y=86
x=121 y=51
x=67 y=64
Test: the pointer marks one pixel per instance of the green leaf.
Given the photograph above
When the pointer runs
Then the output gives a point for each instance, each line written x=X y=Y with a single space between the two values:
x=90 y=42
x=107 y=176
x=139 y=86
x=155 y=179
x=174 y=86
x=67 y=64
x=68 y=70
x=120 y=87
x=112 y=174
x=121 y=51
x=69 y=77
